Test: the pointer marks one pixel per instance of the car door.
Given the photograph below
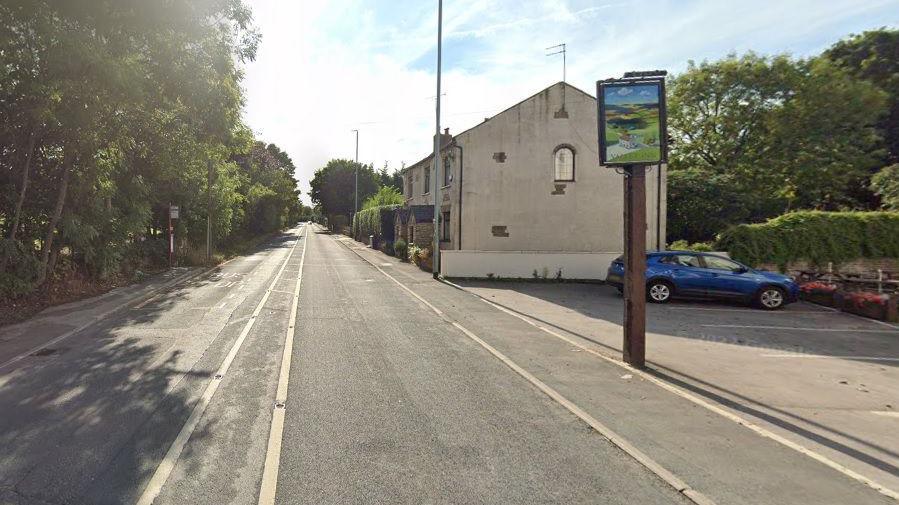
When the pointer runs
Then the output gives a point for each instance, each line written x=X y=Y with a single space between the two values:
x=727 y=279
x=687 y=273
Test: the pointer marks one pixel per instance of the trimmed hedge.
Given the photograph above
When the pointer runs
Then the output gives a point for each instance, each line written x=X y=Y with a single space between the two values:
x=377 y=221
x=816 y=236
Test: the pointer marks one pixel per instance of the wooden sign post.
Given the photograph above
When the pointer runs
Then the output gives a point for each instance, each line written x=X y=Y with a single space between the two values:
x=632 y=135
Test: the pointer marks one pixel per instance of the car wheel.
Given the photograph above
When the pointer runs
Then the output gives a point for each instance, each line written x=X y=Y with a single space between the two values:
x=770 y=298
x=659 y=291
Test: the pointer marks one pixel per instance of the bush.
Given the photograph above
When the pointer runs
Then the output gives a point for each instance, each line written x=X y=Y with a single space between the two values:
x=815 y=236
x=20 y=269
x=377 y=221
x=401 y=249
x=414 y=252
x=683 y=245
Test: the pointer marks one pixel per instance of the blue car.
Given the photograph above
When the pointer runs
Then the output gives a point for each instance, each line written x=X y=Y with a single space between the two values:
x=691 y=274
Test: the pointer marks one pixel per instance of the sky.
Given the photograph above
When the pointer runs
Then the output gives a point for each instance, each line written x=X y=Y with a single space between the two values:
x=326 y=68
x=618 y=95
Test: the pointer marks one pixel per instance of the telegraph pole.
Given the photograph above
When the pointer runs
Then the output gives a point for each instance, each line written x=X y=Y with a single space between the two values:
x=356 y=184
x=437 y=137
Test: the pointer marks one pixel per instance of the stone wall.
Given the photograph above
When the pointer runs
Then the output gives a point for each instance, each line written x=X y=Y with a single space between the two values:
x=424 y=234
x=862 y=266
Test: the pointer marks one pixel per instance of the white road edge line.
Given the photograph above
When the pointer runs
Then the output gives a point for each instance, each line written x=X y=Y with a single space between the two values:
x=269 y=485
x=826 y=356
x=669 y=478
x=702 y=403
x=154 y=486
x=745 y=311
x=863 y=318
x=798 y=328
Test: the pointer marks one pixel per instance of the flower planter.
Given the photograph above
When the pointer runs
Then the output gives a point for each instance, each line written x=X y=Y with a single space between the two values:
x=847 y=302
x=825 y=298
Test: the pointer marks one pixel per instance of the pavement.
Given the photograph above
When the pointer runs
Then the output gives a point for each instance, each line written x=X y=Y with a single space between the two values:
x=54 y=324
x=824 y=379
x=394 y=388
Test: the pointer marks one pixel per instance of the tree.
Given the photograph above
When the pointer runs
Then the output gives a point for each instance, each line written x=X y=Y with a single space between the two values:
x=702 y=204
x=387 y=195
x=333 y=185
x=885 y=185
x=781 y=133
x=874 y=57
x=393 y=179
x=109 y=112
x=272 y=198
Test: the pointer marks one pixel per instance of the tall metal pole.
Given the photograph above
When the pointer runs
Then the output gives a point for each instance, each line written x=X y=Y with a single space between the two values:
x=436 y=254
x=356 y=184
x=209 y=214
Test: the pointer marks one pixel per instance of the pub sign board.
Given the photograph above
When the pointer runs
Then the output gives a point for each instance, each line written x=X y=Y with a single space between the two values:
x=631 y=118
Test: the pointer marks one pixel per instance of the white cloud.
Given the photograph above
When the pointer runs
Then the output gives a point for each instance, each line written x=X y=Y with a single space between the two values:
x=327 y=67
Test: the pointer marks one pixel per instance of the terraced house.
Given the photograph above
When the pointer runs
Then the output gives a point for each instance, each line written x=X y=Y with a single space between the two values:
x=523 y=194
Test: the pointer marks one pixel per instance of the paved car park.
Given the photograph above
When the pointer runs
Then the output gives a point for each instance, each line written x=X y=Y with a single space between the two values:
x=823 y=379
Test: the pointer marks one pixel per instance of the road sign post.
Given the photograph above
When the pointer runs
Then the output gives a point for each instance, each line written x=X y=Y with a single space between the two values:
x=633 y=135
x=174 y=213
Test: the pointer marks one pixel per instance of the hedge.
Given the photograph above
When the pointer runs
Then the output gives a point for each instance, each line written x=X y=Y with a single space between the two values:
x=815 y=236
x=377 y=221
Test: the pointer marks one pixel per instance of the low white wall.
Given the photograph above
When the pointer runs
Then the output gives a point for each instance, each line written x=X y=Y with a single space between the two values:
x=521 y=264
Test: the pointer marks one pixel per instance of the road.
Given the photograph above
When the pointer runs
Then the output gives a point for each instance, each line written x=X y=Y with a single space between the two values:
x=307 y=372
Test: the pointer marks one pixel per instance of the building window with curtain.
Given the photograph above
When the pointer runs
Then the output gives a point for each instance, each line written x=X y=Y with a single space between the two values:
x=563 y=163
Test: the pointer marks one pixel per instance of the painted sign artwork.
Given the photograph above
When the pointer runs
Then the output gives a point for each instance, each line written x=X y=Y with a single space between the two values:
x=632 y=123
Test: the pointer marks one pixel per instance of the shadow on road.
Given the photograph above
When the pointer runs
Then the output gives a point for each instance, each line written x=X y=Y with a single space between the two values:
x=88 y=420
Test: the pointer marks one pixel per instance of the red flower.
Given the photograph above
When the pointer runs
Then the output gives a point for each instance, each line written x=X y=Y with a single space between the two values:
x=813 y=286
x=860 y=298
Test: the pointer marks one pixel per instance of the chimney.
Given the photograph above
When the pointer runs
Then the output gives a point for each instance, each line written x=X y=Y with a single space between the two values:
x=446 y=131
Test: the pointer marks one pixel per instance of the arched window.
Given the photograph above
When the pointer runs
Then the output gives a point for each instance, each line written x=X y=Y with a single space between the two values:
x=563 y=163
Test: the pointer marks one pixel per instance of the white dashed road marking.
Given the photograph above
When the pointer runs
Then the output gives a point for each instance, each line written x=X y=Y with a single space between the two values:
x=154 y=486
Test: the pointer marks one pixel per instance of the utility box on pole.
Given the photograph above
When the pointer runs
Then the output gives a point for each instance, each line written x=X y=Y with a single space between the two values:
x=632 y=136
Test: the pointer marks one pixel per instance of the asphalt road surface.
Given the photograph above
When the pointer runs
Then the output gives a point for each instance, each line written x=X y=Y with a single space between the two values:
x=304 y=374
x=386 y=403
